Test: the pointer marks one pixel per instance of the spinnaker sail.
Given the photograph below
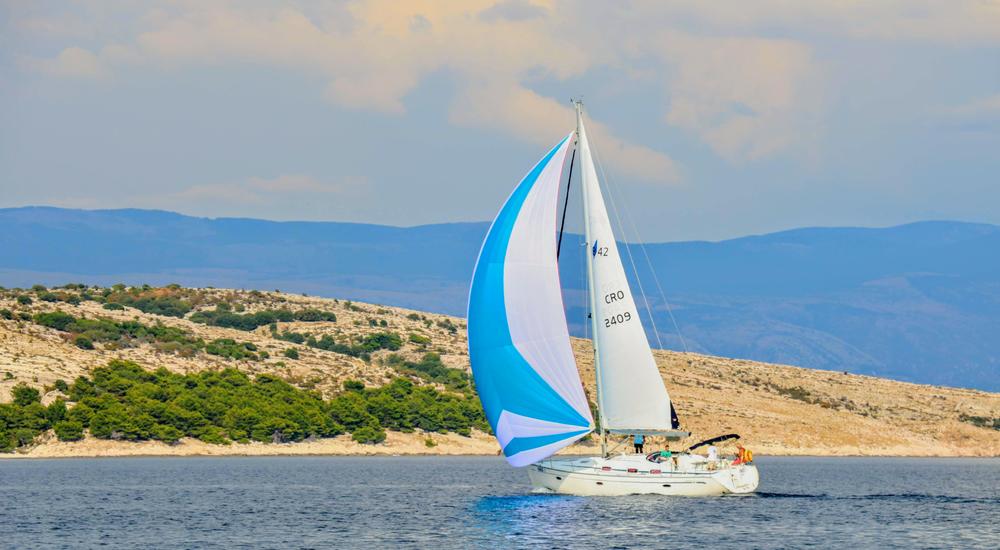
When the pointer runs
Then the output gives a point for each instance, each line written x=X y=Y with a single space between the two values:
x=519 y=346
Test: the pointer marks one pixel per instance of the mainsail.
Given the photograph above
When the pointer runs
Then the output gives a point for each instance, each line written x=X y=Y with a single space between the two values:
x=631 y=394
x=519 y=344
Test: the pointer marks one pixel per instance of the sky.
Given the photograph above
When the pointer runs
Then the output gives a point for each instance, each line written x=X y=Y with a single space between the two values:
x=711 y=119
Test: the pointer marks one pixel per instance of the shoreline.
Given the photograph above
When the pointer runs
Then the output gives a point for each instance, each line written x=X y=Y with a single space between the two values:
x=15 y=457
x=397 y=444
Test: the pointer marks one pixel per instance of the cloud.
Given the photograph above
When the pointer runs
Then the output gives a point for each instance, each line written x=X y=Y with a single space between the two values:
x=71 y=62
x=379 y=51
x=741 y=77
x=955 y=22
x=543 y=121
x=747 y=98
x=512 y=10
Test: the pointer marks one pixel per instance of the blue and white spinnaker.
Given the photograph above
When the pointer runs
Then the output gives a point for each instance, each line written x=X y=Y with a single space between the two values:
x=519 y=344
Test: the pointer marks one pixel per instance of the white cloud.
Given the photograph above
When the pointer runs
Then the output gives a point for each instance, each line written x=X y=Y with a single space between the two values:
x=71 y=62
x=747 y=98
x=376 y=56
x=731 y=83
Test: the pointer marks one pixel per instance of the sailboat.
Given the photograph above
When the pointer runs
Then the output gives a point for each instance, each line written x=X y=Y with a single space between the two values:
x=523 y=363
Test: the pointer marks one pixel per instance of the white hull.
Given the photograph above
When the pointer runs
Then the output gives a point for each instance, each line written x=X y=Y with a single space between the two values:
x=689 y=475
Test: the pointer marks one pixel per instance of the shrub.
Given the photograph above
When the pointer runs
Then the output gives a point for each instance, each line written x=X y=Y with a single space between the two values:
x=56 y=411
x=83 y=342
x=291 y=353
x=6 y=314
x=419 y=339
x=69 y=430
x=61 y=385
x=431 y=368
x=369 y=434
x=25 y=395
x=113 y=306
x=382 y=340
x=448 y=325
x=227 y=347
x=315 y=315
x=354 y=385
x=121 y=333
x=25 y=436
x=223 y=317
x=214 y=435
x=24 y=300
x=166 y=433
x=55 y=319
x=163 y=301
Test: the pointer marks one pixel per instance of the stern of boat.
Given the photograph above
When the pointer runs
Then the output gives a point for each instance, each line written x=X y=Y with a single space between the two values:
x=740 y=479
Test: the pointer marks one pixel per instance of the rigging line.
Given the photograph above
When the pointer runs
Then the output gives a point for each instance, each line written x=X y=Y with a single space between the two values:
x=569 y=181
x=656 y=279
x=649 y=263
x=628 y=249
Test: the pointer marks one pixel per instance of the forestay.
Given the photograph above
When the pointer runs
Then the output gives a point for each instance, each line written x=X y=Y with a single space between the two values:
x=519 y=344
x=631 y=396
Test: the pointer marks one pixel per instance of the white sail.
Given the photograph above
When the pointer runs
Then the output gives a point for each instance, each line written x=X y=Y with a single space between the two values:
x=631 y=394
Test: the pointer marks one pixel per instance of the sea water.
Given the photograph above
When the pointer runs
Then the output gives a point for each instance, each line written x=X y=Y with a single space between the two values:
x=468 y=502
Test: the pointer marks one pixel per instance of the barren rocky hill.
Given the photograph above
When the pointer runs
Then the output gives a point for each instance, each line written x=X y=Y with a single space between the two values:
x=778 y=409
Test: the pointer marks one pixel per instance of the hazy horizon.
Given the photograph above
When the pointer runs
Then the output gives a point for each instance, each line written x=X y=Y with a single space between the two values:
x=485 y=221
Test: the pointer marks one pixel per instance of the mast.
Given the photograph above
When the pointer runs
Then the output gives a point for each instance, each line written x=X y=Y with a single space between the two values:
x=581 y=136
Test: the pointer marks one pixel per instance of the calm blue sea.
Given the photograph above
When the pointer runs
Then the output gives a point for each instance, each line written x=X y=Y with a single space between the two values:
x=437 y=503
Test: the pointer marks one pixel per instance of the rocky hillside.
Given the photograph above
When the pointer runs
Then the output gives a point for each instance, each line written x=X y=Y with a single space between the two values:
x=317 y=343
x=917 y=302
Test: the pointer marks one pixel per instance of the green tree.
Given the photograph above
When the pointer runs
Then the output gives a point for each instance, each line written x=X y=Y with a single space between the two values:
x=25 y=395
x=56 y=411
x=69 y=430
x=24 y=436
x=166 y=433
x=350 y=410
x=370 y=433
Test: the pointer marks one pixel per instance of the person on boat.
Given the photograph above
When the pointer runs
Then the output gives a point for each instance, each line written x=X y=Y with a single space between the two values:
x=639 y=441
x=743 y=456
x=662 y=456
x=713 y=452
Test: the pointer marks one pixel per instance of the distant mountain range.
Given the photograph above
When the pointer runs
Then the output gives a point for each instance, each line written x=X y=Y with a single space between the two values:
x=917 y=302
